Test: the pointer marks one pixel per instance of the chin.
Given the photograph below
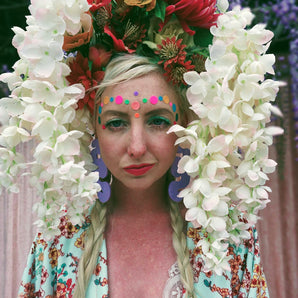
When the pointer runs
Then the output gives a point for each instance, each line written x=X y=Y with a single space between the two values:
x=141 y=183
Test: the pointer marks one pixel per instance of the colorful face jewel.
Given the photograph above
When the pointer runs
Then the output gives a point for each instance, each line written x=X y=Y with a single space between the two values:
x=118 y=99
x=154 y=100
x=135 y=105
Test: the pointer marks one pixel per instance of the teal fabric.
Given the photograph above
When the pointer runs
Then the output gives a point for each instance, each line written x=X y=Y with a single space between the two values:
x=52 y=268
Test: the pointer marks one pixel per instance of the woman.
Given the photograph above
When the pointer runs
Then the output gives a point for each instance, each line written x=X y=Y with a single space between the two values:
x=129 y=243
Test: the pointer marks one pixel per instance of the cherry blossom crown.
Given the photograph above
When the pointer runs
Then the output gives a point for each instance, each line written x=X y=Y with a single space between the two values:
x=63 y=53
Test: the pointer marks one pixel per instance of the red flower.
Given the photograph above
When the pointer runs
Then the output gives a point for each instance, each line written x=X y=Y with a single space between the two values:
x=97 y=4
x=174 y=72
x=99 y=57
x=80 y=73
x=197 y=13
x=61 y=290
x=170 y=51
x=97 y=270
x=118 y=43
x=133 y=34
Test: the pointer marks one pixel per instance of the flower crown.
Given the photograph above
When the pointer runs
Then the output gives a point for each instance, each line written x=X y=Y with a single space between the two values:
x=63 y=53
x=174 y=34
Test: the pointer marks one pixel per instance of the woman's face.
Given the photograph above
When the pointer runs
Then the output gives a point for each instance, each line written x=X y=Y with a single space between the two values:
x=133 y=120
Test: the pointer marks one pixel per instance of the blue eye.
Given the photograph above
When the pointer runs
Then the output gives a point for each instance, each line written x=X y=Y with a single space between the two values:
x=115 y=124
x=159 y=122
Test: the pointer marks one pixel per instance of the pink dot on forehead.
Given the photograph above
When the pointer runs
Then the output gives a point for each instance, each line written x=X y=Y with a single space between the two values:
x=135 y=105
x=154 y=100
x=118 y=99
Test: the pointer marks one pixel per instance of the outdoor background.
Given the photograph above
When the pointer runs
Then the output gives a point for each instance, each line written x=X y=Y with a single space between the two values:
x=278 y=226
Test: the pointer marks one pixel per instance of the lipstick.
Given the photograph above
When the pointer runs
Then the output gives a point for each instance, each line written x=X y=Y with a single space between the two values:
x=138 y=170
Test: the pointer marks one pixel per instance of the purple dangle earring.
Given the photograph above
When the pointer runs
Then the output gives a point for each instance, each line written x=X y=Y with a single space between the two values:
x=181 y=180
x=105 y=193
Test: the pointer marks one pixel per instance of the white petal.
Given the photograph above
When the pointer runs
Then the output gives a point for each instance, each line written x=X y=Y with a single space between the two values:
x=243 y=192
x=218 y=224
x=222 y=5
x=210 y=203
x=274 y=130
x=247 y=109
x=191 y=77
x=252 y=175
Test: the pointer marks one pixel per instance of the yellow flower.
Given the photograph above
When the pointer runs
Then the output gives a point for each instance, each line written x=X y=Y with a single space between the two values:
x=141 y=3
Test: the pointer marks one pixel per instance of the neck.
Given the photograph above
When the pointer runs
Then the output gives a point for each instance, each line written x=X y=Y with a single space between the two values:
x=138 y=202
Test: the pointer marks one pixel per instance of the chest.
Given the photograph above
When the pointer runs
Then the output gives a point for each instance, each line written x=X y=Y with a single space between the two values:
x=139 y=260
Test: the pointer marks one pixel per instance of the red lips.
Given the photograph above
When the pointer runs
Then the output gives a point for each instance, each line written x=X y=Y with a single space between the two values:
x=138 y=170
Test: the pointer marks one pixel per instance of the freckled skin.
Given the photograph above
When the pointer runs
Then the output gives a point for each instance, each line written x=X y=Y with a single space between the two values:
x=138 y=140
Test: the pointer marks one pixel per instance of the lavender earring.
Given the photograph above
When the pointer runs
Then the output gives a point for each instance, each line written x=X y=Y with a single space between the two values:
x=181 y=180
x=105 y=192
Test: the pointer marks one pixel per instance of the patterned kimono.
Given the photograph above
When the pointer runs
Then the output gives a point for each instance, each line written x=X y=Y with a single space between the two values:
x=52 y=268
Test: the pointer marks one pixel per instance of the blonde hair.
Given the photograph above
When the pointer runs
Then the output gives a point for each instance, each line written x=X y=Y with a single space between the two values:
x=121 y=69
x=126 y=67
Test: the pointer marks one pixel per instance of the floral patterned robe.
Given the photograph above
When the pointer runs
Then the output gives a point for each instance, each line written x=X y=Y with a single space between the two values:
x=52 y=267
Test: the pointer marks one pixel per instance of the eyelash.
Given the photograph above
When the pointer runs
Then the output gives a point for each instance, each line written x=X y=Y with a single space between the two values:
x=163 y=122
x=115 y=124
x=156 y=122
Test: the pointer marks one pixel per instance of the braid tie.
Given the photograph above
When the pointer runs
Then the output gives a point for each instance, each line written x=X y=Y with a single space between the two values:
x=92 y=245
x=179 y=244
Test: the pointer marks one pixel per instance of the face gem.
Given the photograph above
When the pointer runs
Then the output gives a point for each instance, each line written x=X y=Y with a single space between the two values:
x=135 y=105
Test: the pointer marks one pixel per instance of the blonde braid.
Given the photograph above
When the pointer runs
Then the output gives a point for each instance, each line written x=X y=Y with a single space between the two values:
x=179 y=244
x=92 y=246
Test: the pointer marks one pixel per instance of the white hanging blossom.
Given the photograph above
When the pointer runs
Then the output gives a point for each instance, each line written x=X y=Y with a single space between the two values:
x=228 y=162
x=43 y=107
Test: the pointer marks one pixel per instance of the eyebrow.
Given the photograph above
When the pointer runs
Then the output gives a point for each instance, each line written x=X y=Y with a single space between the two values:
x=124 y=114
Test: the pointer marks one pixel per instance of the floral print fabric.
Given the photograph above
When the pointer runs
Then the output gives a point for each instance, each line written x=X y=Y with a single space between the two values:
x=52 y=268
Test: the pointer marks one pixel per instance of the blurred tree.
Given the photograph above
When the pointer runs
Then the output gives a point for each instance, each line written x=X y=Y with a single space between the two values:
x=12 y=13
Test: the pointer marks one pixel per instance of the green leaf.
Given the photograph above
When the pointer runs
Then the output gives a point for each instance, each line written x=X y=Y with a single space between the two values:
x=203 y=37
x=90 y=64
x=160 y=10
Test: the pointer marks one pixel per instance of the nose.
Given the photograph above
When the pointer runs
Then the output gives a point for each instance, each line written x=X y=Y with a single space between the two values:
x=137 y=142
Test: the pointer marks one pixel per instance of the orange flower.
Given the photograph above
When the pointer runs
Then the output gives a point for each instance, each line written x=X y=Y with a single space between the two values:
x=61 y=290
x=75 y=41
x=54 y=253
x=80 y=241
x=141 y=3
x=258 y=280
x=41 y=257
x=97 y=270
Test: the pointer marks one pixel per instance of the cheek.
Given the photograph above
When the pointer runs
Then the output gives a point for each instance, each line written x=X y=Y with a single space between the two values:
x=166 y=147
x=108 y=148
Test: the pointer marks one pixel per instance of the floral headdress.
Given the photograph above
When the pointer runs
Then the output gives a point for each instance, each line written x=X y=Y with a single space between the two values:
x=63 y=53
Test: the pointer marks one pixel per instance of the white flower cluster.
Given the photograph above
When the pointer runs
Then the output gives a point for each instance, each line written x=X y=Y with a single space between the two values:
x=228 y=162
x=43 y=107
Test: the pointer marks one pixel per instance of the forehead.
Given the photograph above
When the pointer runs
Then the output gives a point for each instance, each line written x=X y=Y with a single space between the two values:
x=151 y=88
